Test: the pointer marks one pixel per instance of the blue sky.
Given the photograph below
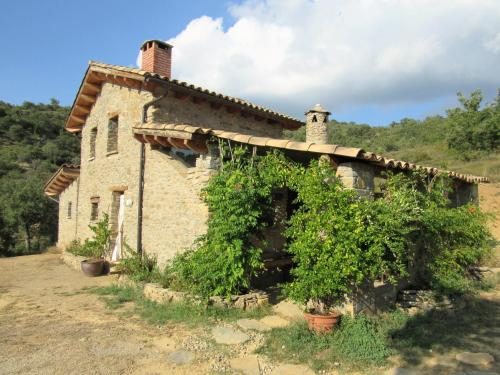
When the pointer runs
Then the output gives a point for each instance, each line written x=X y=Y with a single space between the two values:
x=372 y=65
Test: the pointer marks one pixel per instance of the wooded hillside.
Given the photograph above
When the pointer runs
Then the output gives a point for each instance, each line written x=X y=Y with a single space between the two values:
x=33 y=144
x=466 y=139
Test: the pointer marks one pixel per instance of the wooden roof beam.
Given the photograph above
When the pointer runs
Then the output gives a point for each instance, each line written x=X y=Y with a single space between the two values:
x=73 y=129
x=198 y=146
x=92 y=87
x=88 y=98
x=77 y=119
x=150 y=139
x=82 y=109
x=162 y=141
x=177 y=143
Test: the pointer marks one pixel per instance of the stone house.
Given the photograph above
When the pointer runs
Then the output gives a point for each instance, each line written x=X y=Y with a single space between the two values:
x=146 y=151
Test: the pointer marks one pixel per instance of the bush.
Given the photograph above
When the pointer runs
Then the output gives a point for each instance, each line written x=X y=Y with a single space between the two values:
x=139 y=267
x=239 y=198
x=340 y=241
x=98 y=245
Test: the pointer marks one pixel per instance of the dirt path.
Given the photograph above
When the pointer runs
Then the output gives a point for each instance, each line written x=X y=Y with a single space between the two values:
x=48 y=326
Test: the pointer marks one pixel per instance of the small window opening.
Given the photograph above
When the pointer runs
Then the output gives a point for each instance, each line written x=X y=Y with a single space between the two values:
x=94 y=209
x=93 y=136
x=112 y=134
x=68 y=213
x=314 y=119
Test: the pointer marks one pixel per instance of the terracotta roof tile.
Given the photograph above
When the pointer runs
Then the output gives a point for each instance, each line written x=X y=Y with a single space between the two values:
x=349 y=152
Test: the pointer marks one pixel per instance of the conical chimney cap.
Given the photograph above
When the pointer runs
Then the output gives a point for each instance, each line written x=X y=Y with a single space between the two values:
x=318 y=109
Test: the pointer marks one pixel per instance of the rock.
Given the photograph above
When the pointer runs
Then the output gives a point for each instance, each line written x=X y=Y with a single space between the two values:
x=240 y=303
x=292 y=370
x=228 y=335
x=181 y=357
x=476 y=359
x=275 y=321
x=253 y=324
x=477 y=373
x=156 y=293
x=247 y=365
x=289 y=310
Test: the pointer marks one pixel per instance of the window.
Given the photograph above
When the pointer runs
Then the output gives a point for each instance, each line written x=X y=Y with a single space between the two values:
x=94 y=208
x=93 y=136
x=112 y=134
x=68 y=213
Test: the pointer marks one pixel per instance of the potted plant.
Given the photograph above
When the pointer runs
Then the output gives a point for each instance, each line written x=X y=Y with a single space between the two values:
x=97 y=247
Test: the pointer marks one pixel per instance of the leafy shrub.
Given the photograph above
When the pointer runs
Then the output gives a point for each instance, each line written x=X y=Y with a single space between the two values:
x=339 y=240
x=96 y=246
x=447 y=242
x=238 y=198
x=139 y=267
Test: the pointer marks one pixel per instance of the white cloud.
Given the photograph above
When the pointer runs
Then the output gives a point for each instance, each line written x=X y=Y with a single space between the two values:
x=343 y=53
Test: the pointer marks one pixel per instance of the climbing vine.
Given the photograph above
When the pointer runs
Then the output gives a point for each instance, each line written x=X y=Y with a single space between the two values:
x=338 y=241
x=239 y=197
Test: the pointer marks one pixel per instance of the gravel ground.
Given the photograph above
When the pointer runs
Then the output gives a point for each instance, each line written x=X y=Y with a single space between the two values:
x=50 y=325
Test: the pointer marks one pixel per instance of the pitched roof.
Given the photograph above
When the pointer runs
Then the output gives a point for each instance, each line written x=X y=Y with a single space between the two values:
x=150 y=131
x=97 y=73
x=61 y=179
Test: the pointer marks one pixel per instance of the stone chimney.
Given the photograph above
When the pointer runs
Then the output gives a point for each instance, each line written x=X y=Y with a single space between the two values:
x=157 y=57
x=316 y=119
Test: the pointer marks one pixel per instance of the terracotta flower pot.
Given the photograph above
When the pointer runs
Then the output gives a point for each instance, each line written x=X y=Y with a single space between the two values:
x=93 y=267
x=322 y=323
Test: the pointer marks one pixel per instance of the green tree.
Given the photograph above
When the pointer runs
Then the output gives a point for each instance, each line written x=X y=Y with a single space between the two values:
x=473 y=129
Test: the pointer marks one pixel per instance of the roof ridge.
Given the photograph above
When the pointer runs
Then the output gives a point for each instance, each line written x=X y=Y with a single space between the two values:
x=200 y=89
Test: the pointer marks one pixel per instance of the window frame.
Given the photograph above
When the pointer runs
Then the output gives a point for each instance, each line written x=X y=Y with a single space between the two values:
x=94 y=208
x=69 y=210
x=92 y=143
x=112 y=143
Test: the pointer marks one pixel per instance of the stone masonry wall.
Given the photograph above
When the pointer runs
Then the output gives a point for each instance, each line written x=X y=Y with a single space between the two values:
x=99 y=175
x=173 y=214
x=67 y=225
x=184 y=111
x=357 y=176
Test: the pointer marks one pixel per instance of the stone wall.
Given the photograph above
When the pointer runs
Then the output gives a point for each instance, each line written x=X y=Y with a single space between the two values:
x=249 y=301
x=357 y=176
x=67 y=225
x=173 y=214
x=184 y=111
x=103 y=173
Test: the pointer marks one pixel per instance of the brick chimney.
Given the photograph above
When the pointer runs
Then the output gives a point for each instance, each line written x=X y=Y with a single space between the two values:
x=157 y=57
x=316 y=119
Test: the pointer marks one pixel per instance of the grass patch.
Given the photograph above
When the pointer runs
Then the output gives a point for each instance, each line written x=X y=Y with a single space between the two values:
x=189 y=313
x=357 y=344
x=365 y=343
